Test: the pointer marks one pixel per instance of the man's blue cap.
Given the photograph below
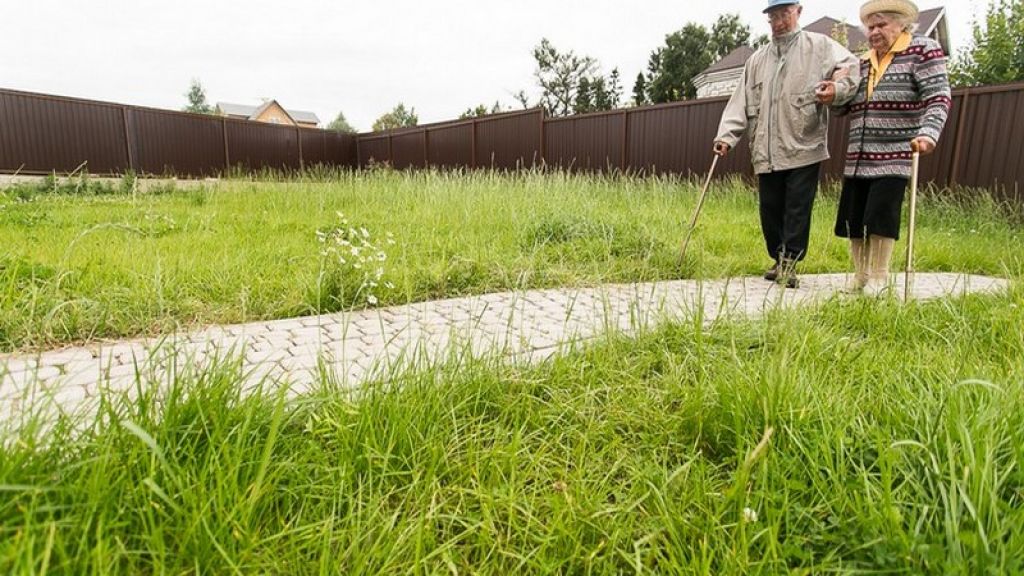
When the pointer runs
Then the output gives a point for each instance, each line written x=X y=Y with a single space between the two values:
x=775 y=3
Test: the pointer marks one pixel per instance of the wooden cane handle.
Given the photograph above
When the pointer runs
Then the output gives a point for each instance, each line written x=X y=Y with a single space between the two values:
x=914 y=146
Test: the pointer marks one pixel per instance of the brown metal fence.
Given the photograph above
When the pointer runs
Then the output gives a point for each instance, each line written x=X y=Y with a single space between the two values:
x=169 y=143
x=500 y=141
x=43 y=134
x=989 y=151
x=40 y=134
x=981 y=145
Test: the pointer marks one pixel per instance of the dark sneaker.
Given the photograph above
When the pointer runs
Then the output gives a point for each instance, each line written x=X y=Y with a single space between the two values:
x=786 y=273
x=772 y=274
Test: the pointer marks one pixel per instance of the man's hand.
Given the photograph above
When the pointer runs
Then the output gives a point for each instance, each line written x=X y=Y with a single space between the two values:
x=923 y=144
x=721 y=148
x=825 y=92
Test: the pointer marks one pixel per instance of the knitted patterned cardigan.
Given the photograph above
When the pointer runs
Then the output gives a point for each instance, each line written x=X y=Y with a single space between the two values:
x=912 y=99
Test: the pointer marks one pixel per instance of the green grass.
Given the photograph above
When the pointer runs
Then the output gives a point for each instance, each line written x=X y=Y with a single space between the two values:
x=858 y=436
x=896 y=446
x=86 y=261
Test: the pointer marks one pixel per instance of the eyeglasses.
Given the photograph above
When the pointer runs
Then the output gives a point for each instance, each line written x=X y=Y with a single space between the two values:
x=777 y=15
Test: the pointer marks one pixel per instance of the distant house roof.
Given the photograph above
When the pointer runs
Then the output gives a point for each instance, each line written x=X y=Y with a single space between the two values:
x=927 y=22
x=263 y=108
x=854 y=35
x=929 y=19
x=252 y=112
x=733 y=59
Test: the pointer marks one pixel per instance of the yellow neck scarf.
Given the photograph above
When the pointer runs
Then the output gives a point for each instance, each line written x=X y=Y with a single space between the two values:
x=878 y=67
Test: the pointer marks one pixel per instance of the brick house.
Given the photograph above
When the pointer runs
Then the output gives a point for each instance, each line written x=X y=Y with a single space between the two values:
x=270 y=111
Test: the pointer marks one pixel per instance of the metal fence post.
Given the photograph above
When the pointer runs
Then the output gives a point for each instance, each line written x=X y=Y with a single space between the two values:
x=224 y=131
x=625 y=141
x=128 y=139
x=426 y=148
x=543 y=151
x=472 y=145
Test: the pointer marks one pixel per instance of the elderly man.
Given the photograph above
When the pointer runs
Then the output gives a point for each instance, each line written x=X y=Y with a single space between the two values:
x=781 y=103
x=903 y=102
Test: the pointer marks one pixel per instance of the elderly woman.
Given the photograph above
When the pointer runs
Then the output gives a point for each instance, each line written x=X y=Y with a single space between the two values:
x=902 y=101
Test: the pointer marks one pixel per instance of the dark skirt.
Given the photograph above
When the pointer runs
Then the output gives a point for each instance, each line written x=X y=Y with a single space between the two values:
x=870 y=206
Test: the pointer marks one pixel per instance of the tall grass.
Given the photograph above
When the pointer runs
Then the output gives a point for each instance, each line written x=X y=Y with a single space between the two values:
x=855 y=437
x=124 y=260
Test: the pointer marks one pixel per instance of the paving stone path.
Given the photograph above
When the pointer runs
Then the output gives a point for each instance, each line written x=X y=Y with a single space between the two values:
x=528 y=325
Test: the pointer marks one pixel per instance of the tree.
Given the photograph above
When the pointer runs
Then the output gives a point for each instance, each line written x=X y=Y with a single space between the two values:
x=607 y=92
x=584 y=101
x=727 y=34
x=572 y=84
x=594 y=94
x=686 y=53
x=840 y=34
x=996 y=54
x=399 y=117
x=341 y=125
x=196 y=97
x=481 y=110
x=672 y=67
x=522 y=99
x=640 y=90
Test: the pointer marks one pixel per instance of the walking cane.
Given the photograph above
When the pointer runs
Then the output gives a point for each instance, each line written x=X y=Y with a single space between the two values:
x=908 y=274
x=696 y=213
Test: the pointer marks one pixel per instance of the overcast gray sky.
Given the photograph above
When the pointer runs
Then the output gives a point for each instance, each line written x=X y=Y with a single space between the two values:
x=361 y=58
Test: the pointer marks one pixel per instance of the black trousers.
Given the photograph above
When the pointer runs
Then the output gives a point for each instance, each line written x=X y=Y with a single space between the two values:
x=786 y=200
x=870 y=206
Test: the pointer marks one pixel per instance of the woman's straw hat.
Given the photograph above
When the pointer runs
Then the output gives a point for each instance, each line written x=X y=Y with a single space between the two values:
x=905 y=7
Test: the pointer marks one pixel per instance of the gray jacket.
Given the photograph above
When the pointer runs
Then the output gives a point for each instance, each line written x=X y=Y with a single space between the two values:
x=775 y=102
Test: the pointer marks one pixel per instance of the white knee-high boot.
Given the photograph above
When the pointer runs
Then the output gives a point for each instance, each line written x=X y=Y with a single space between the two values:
x=879 y=256
x=859 y=256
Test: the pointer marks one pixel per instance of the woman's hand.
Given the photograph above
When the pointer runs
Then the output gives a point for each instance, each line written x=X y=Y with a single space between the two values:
x=923 y=144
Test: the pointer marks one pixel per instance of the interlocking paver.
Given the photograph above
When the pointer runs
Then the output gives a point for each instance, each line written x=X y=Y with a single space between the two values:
x=66 y=356
x=15 y=365
x=523 y=326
